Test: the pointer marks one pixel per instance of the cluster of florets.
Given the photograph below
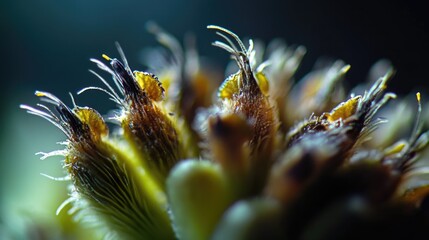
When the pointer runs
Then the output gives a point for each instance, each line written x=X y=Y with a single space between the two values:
x=260 y=157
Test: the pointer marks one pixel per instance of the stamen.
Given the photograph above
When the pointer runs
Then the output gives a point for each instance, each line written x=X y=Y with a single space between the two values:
x=64 y=204
x=108 y=85
x=52 y=119
x=72 y=99
x=124 y=59
x=240 y=43
x=418 y=124
x=228 y=41
x=112 y=97
x=241 y=55
x=106 y=57
x=49 y=111
x=101 y=65
x=51 y=154
x=60 y=179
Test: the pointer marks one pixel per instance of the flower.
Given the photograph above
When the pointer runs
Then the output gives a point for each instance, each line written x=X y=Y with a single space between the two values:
x=267 y=158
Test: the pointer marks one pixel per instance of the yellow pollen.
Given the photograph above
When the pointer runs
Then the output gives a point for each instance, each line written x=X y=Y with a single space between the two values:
x=106 y=57
x=39 y=94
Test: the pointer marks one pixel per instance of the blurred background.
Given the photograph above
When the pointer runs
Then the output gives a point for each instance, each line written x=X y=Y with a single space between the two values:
x=46 y=45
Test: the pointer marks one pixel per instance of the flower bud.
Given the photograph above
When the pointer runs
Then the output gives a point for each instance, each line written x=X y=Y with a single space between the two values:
x=148 y=127
x=198 y=195
x=107 y=187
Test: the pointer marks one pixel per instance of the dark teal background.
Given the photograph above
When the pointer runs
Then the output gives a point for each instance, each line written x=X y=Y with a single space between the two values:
x=46 y=45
